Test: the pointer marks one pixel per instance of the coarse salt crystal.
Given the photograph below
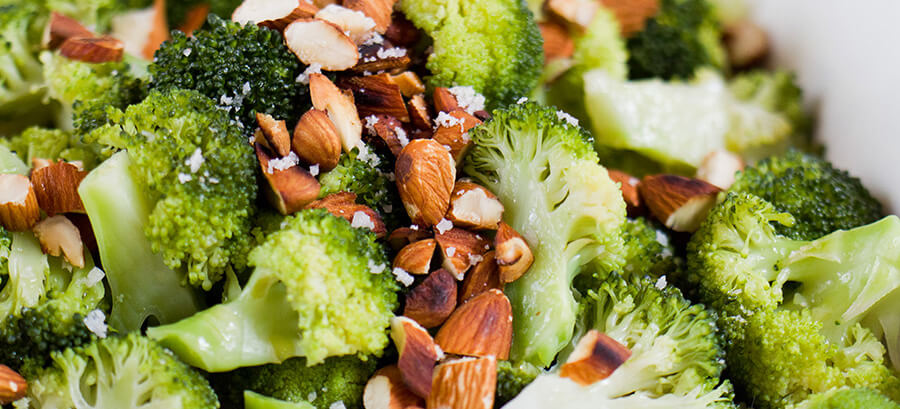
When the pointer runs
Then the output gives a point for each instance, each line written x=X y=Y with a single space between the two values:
x=361 y=219
x=661 y=283
x=184 y=178
x=95 y=321
x=394 y=52
x=314 y=170
x=371 y=121
x=522 y=100
x=401 y=136
x=94 y=276
x=451 y=251
x=314 y=68
x=403 y=276
x=468 y=99
x=376 y=268
x=283 y=163
x=196 y=160
x=443 y=226
x=564 y=116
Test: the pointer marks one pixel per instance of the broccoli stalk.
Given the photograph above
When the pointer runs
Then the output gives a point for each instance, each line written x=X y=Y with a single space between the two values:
x=10 y=163
x=253 y=400
x=21 y=77
x=54 y=144
x=319 y=289
x=845 y=398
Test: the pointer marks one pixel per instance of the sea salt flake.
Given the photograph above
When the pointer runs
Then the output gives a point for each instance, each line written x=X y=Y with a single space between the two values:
x=394 y=52
x=402 y=276
x=468 y=99
x=314 y=68
x=443 y=226
x=314 y=170
x=361 y=219
x=196 y=160
x=95 y=321
x=283 y=163
x=661 y=283
x=564 y=116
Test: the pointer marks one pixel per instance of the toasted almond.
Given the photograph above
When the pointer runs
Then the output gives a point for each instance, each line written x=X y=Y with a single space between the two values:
x=343 y=204
x=159 y=30
x=83 y=223
x=61 y=28
x=402 y=32
x=579 y=13
x=418 y=354
x=746 y=43
x=466 y=383
x=378 y=95
x=403 y=236
x=134 y=28
x=595 y=358
x=483 y=277
x=461 y=249
x=13 y=386
x=418 y=112
x=274 y=14
x=316 y=140
x=92 y=49
x=389 y=130
x=324 y=3
x=194 y=18
x=386 y=390
x=358 y=26
x=433 y=300
x=276 y=133
x=56 y=188
x=38 y=163
x=678 y=202
x=719 y=168
x=340 y=107
x=19 y=208
x=632 y=14
x=425 y=174
x=320 y=42
x=378 y=10
x=454 y=134
x=59 y=236
x=514 y=257
x=480 y=327
x=370 y=62
x=557 y=41
x=475 y=207
x=628 y=185
x=415 y=258
x=288 y=189
x=444 y=100
x=410 y=84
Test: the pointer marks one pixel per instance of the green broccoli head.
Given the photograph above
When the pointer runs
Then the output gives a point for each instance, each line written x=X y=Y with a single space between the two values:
x=682 y=37
x=371 y=181
x=54 y=144
x=21 y=77
x=494 y=46
x=512 y=378
x=793 y=181
x=116 y=372
x=320 y=288
x=245 y=69
x=570 y=212
x=847 y=398
x=776 y=91
x=253 y=400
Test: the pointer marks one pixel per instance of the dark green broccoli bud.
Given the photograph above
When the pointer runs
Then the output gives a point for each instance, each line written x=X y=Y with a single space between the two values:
x=776 y=92
x=494 y=46
x=54 y=144
x=21 y=78
x=821 y=198
x=245 y=69
x=512 y=378
x=859 y=398
x=682 y=37
x=320 y=288
x=545 y=172
x=118 y=372
x=372 y=182
x=253 y=400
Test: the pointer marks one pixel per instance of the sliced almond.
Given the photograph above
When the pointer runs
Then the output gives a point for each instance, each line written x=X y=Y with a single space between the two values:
x=370 y=61
x=378 y=95
x=628 y=184
x=316 y=140
x=632 y=15
x=13 y=386
x=274 y=14
x=579 y=13
x=159 y=30
x=358 y=26
x=320 y=42
x=288 y=189
x=343 y=204
x=433 y=300
x=56 y=188
x=389 y=131
x=340 y=107
x=378 y=10
x=403 y=236
x=720 y=168
x=59 y=236
x=276 y=133
x=418 y=354
x=418 y=112
x=425 y=174
x=473 y=206
x=557 y=41
x=386 y=390
x=480 y=327
x=461 y=249
x=61 y=28
x=410 y=84
x=746 y=43
x=514 y=257
x=415 y=258
x=483 y=277
x=92 y=49
x=466 y=383
x=594 y=359
x=444 y=100
x=194 y=18
x=678 y=202
x=454 y=133
x=19 y=208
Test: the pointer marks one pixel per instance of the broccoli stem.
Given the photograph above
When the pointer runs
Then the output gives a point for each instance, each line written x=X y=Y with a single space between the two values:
x=253 y=400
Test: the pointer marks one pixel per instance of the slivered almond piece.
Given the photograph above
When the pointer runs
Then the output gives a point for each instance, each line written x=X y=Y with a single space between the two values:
x=343 y=204
x=274 y=14
x=403 y=236
x=92 y=49
x=461 y=249
x=514 y=257
x=340 y=108
x=594 y=359
x=59 y=236
x=386 y=390
x=18 y=205
x=465 y=383
x=425 y=174
x=628 y=185
x=483 y=277
x=678 y=202
x=480 y=327
x=557 y=42
x=288 y=189
x=410 y=84
x=194 y=18
x=276 y=133
x=473 y=206
x=159 y=30
x=632 y=14
x=56 y=188
x=415 y=258
x=370 y=62
x=61 y=28
x=320 y=42
x=316 y=140
x=358 y=26
x=378 y=10
x=433 y=300
x=418 y=354
x=378 y=95
x=418 y=112
x=454 y=132
x=579 y=13
x=746 y=43
x=388 y=129
x=13 y=386
x=720 y=168
x=444 y=100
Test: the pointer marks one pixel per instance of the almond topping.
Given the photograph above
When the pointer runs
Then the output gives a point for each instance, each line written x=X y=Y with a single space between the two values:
x=433 y=300
x=461 y=249
x=410 y=84
x=370 y=61
x=320 y=42
x=316 y=140
x=474 y=206
x=386 y=390
x=13 y=386
x=453 y=132
x=159 y=30
x=402 y=32
x=388 y=129
x=746 y=43
x=425 y=174
x=276 y=133
x=418 y=354
x=678 y=202
x=418 y=112
x=403 y=236
x=194 y=18
x=56 y=188
x=595 y=358
x=632 y=14
x=358 y=26
x=628 y=184
x=92 y=49
x=416 y=257
x=444 y=100
x=290 y=188
x=58 y=236
x=340 y=107
x=19 y=208
x=557 y=42
x=480 y=327
x=378 y=95
x=514 y=257
x=483 y=277
x=466 y=383
x=61 y=28
x=378 y=10
x=719 y=168
x=579 y=13
x=343 y=204
x=274 y=14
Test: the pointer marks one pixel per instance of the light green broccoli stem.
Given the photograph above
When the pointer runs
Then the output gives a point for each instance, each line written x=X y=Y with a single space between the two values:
x=253 y=400
x=27 y=272
x=10 y=163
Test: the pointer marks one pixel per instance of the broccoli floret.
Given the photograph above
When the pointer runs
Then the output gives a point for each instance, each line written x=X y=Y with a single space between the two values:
x=821 y=198
x=371 y=183
x=776 y=91
x=245 y=69
x=43 y=302
x=118 y=372
x=814 y=308
x=512 y=378
x=859 y=398
x=337 y=379
x=556 y=195
x=328 y=278
x=21 y=79
x=682 y=37
x=253 y=400
x=54 y=144
x=494 y=46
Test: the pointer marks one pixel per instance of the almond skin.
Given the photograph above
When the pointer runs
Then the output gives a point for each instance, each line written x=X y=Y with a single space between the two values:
x=632 y=14
x=433 y=300
x=444 y=100
x=595 y=358
x=628 y=184
x=410 y=84
x=340 y=108
x=388 y=130
x=480 y=327
x=56 y=187
x=61 y=28
x=403 y=236
x=425 y=174
x=418 y=354
x=678 y=202
x=467 y=383
x=418 y=112
x=316 y=140
x=288 y=190
x=456 y=137
x=343 y=204
x=514 y=257
x=320 y=42
x=276 y=133
x=12 y=386
x=92 y=49
x=483 y=277
x=19 y=209
x=415 y=258
x=378 y=10
x=557 y=42
x=274 y=14
x=378 y=95
x=461 y=249
x=386 y=390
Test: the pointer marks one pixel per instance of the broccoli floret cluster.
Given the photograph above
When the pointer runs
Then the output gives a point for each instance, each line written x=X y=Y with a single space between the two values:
x=21 y=77
x=846 y=398
x=53 y=144
x=512 y=378
x=776 y=92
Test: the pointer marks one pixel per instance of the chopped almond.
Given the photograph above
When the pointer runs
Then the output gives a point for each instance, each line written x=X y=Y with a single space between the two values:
x=433 y=300
x=418 y=354
x=403 y=236
x=355 y=23
x=402 y=32
x=514 y=257
x=386 y=390
x=12 y=386
x=389 y=130
x=425 y=174
x=632 y=14
x=59 y=236
x=557 y=42
x=275 y=132
x=480 y=327
x=594 y=359
x=453 y=132
x=378 y=95
x=418 y=112
x=747 y=44
x=628 y=184
x=274 y=14
x=343 y=204
x=678 y=202
x=378 y=10
x=415 y=258
x=720 y=168
x=466 y=383
x=92 y=49
x=316 y=140
x=340 y=108
x=320 y=42
x=18 y=204
x=56 y=188
x=473 y=206
x=194 y=18
x=61 y=28
x=444 y=100
x=461 y=250
x=289 y=186
x=579 y=13
x=410 y=84
x=159 y=30
x=483 y=277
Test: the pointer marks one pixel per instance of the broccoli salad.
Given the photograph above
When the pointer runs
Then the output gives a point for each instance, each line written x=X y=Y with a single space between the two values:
x=427 y=204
